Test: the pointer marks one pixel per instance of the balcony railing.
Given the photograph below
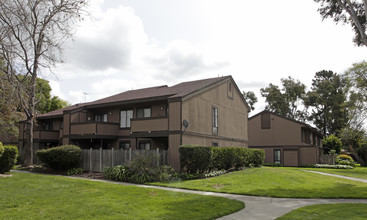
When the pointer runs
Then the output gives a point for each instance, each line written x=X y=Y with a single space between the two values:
x=149 y=124
x=94 y=128
x=45 y=135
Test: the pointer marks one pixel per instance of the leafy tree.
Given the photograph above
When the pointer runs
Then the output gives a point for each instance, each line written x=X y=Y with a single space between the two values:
x=357 y=75
x=287 y=101
x=327 y=100
x=10 y=107
x=347 y=11
x=57 y=103
x=331 y=143
x=250 y=98
x=31 y=37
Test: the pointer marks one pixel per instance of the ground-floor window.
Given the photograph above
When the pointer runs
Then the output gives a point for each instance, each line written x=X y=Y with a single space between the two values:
x=215 y=144
x=144 y=145
x=124 y=145
x=277 y=156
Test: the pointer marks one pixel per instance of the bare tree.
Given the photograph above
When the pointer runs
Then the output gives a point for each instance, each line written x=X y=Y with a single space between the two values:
x=347 y=11
x=32 y=34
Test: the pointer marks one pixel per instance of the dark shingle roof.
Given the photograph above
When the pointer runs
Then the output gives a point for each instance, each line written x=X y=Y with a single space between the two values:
x=176 y=91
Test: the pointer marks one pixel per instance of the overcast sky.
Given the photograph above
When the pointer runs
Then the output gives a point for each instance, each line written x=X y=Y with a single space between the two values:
x=131 y=44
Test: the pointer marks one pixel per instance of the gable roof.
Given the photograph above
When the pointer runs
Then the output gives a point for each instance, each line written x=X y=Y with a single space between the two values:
x=289 y=119
x=158 y=93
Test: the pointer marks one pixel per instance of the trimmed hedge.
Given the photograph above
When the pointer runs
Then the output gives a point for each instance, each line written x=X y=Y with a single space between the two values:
x=201 y=159
x=8 y=158
x=61 y=158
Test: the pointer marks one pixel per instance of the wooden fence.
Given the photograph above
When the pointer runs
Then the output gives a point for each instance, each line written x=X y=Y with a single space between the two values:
x=97 y=160
x=327 y=159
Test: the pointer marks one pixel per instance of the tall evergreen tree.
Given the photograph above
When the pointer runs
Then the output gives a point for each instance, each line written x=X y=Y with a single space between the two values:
x=327 y=100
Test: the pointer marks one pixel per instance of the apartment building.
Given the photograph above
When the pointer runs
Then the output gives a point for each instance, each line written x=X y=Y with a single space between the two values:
x=285 y=141
x=210 y=112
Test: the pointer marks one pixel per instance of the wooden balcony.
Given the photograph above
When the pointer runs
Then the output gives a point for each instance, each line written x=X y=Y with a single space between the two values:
x=149 y=124
x=45 y=135
x=94 y=128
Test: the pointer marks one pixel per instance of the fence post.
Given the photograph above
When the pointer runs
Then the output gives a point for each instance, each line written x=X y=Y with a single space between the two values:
x=158 y=158
x=112 y=157
x=100 y=159
x=90 y=160
x=130 y=154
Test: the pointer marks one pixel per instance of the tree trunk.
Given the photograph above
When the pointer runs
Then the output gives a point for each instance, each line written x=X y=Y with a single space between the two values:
x=27 y=154
x=30 y=111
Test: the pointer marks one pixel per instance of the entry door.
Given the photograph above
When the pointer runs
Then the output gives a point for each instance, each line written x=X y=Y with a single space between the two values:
x=291 y=158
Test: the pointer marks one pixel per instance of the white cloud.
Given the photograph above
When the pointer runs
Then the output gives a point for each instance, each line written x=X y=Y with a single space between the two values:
x=55 y=86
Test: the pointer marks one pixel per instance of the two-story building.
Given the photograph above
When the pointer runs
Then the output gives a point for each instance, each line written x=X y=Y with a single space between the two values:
x=209 y=112
x=285 y=141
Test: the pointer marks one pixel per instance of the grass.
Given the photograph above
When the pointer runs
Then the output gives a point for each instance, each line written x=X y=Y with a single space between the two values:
x=328 y=212
x=358 y=172
x=277 y=182
x=34 y=196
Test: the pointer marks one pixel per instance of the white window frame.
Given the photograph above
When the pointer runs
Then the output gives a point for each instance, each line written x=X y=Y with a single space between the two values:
x=127 y=115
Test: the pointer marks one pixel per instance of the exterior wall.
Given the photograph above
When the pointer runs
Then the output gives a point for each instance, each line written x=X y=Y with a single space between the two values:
x=174 y=141
x=292 y=156
x=208 y=141
x=150 y=124
x=174 y=116
x=309 y=155
x=232 y=115
x=281 y=132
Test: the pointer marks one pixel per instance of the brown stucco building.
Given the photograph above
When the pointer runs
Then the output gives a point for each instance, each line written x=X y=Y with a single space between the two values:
x=151 y=118
x=285 y=141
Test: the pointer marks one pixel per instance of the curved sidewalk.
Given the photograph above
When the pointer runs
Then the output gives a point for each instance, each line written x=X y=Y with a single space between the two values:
x=256 y=207
x=339 y=176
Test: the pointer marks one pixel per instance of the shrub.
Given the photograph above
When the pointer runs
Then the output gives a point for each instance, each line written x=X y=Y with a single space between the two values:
x=8 y=158
x=196 y=159
x=117 y=173
x=142 y=169
x=344 y=159
x=74 y=171
x=200 y=159
x=331 y=143
x=61 y=158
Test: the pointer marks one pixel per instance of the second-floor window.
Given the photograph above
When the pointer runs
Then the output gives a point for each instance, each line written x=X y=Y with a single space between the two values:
x=48 y=126
x=125 y=117
x=143 y=112
x=215 y=120
x=100 y=117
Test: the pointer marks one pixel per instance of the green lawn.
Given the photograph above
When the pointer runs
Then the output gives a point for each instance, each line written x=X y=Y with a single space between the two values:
x=277 y=182
x=34 y=196
x=328 y=212
x=358 y=172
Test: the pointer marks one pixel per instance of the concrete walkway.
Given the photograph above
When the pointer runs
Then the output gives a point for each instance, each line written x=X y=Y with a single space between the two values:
x=256 y=207
x=339 y=176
